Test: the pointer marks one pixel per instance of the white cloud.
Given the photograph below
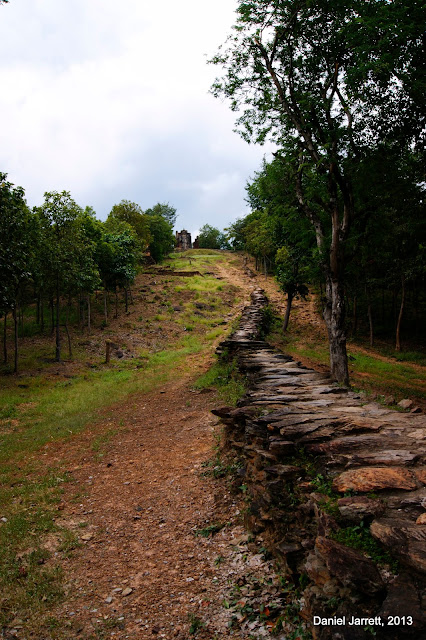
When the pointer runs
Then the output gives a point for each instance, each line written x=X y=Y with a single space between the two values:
x=110 y=100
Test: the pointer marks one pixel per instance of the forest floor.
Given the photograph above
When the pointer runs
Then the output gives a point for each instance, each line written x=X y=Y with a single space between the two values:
x=129 y=525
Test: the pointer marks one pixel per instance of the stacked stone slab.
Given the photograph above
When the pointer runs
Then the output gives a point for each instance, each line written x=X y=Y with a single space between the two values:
x=300 y=437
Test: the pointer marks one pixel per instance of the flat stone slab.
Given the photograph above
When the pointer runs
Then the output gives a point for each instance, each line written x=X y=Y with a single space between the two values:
x=375 y=478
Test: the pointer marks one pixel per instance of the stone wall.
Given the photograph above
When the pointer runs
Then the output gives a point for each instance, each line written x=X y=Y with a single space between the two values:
x=336 y=487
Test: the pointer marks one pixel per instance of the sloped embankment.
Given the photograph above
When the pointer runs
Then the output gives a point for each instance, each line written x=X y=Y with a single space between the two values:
x=336 y=486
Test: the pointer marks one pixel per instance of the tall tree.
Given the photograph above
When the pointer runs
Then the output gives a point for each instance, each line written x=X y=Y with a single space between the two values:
x=165 y=210
x=17 y=238
x=62 y=246
x=212 y=238
x=132 y=213
x=322 y=81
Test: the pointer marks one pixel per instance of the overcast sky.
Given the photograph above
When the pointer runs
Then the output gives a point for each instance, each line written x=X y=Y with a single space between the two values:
x=109 y=100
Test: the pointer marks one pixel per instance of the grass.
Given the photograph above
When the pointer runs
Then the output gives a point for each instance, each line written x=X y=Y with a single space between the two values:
x=226 y=378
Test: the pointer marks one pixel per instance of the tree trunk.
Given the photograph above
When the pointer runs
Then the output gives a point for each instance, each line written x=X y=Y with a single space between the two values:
x=126 y=300
x=287 y=311
x=105 y=305
x=370 y=323
x=401 y=310
x=88 y=314
x=5 y=338
x=42 y=315
x=15 y=323
x=334 y=316
x=354 y=317
x=67 y=330
x=58 y=333
x=52 y=316
x=370 y=317
x=116 y=303
x=130 y=296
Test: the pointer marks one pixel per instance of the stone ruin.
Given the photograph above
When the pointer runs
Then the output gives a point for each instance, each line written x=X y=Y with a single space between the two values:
x=183 y=240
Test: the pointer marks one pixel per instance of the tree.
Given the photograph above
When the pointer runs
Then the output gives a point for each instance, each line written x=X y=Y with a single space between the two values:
x=16 y=248
x=165 y=210
x=162 y=237
x=63 y=247
x=322 y=81
x=211 y=238
x=132 y=214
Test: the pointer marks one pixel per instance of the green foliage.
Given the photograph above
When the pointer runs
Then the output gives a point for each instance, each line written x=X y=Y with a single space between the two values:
x=210 y=530
x=211 y=238
x=165 y=211
x=196 y=624
x=162 y=238
x=330 y=83
x=226 y=378
x=359 y=537
x=131 y=214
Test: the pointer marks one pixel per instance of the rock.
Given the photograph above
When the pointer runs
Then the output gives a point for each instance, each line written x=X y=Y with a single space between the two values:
x=127 y=591
x=108 y=600
x=281 y=447
x=421 y=519
x=402 y=600
x=404 y=538
x=350 y=567
x=87 y=537
x=374 y=478
x=389 y=400
x=405 y=404
x=119 y=353
x=358 y=508
x=283 y=470
x=421 y=475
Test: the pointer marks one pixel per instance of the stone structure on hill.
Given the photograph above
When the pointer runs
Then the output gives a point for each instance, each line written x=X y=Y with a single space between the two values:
x=336 y=487
x=183 y=240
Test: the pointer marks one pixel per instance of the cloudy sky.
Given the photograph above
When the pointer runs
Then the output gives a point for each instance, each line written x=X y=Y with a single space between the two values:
x=109 y=100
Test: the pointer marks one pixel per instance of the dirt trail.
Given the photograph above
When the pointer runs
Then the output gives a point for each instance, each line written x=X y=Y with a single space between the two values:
x=141 y=570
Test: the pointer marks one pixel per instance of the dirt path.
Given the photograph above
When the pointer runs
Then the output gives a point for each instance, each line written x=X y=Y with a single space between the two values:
x=137 y=505
x=136 y=518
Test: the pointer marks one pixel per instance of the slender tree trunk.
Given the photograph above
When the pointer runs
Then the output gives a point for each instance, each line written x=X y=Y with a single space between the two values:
x=355 y=317
x=52 y=316
x=88 y=314
x=105 y=304
x=15 y=323
x=131 y=296
x=370 y=317
x=5 y=338
x=287 y=311
x=116 y=303
x=42 y=314
x=58 y=333
x=401 y=310
x=126 y=300
x=67 y=329
x=334 y=316
x=21 y=319
x=79 y=311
